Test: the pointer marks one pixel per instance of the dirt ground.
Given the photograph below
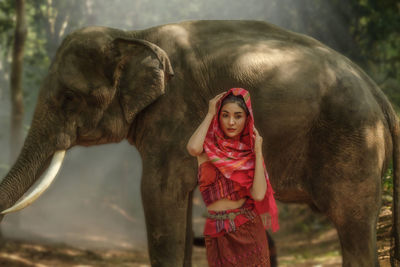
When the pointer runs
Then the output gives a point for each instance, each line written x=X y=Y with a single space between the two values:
x=296 y=246
x=22 y=253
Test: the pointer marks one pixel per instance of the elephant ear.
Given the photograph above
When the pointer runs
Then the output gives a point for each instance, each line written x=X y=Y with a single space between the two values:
x=141 y=73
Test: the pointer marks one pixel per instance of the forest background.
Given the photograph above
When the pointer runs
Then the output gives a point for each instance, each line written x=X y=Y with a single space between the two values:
x=366 y=31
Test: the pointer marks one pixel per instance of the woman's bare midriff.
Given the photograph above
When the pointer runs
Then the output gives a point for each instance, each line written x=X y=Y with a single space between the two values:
x=226 y=204
x=222 y=204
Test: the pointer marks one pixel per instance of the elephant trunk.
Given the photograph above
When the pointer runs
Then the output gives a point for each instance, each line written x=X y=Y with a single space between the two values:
x=44 y=184
x=33 y=160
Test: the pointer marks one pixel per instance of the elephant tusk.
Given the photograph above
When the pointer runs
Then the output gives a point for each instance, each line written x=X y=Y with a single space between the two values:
x=48 y=178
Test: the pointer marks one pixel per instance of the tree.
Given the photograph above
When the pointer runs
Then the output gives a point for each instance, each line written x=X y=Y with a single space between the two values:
x=16 y=80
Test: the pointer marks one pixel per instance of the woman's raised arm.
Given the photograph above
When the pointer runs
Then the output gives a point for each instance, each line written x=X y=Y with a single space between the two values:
x=195 y=144
x=259 y=187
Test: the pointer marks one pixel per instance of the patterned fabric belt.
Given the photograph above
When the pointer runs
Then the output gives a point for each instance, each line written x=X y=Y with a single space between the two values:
x=230 y=215
x=220 y=216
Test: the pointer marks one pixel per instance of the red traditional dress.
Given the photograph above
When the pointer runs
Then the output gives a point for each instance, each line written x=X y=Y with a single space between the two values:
x=235 y=237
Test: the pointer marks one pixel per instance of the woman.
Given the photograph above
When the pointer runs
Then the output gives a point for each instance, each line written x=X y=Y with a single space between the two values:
x=233 y=182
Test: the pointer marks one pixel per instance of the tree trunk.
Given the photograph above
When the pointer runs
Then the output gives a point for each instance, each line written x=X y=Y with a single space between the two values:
x=16 y=81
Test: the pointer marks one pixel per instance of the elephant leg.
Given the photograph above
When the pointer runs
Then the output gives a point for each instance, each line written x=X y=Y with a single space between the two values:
x=355 y=217
x=358 y=243
x=346 y=186
x=189 y=232
x=167 y=201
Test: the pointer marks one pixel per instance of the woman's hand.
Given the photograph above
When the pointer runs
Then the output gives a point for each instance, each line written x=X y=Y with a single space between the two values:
x=258 y=143
x=212 y=107
x=196 y=141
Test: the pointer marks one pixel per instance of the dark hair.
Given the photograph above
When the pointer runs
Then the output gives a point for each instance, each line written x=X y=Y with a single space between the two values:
x=238 y=99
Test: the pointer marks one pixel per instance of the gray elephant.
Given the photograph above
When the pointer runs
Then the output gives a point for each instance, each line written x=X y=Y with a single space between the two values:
x=329 y=131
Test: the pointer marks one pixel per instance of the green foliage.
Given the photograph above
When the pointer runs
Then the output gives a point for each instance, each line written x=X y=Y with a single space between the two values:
x=387 y=184
x=376 y=31
x=7 y=11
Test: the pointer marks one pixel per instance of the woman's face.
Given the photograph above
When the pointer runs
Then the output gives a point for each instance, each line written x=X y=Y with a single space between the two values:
x=232 y=120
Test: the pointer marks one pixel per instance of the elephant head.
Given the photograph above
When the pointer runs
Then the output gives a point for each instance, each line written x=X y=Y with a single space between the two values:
x=99 y=80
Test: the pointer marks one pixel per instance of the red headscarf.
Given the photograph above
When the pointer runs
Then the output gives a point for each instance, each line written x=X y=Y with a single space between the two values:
x=235 y=159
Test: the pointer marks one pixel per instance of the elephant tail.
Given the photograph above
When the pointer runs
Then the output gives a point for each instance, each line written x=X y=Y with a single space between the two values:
x=395 y=131
x=394 y=126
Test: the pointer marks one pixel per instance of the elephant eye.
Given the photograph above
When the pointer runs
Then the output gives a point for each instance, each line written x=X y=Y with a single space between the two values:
x=69 y=96
x=70 y=102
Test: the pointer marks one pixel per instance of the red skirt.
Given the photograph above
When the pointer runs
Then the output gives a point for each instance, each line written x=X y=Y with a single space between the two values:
x=247 y=246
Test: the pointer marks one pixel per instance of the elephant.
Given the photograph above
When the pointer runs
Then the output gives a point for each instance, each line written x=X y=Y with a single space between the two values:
x=329 y=131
